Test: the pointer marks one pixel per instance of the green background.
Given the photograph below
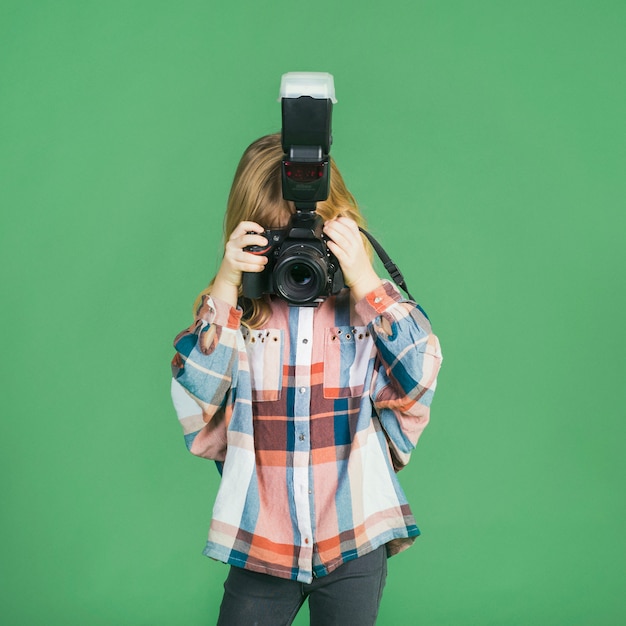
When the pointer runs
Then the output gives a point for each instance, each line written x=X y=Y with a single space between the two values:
x=485 y=141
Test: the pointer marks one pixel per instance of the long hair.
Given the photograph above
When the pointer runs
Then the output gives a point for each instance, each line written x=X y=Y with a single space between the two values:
x=256 y=196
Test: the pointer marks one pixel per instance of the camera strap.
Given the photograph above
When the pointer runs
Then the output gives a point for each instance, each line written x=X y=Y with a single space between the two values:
x=390 y=266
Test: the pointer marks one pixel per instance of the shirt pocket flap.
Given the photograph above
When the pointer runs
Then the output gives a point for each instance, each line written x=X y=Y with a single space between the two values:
x=265 y=357
x=347 y=351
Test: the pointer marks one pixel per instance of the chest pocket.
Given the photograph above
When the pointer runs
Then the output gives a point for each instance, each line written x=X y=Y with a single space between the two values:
x=265 y=356
x=347 y=351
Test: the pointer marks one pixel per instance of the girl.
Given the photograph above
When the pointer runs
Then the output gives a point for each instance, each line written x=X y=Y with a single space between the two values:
x=309 y=413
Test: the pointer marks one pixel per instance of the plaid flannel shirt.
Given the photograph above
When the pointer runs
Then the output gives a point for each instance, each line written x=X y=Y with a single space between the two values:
x=309 y=418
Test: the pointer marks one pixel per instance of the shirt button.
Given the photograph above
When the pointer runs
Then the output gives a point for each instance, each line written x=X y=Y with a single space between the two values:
x=305 y=341
x=306 y=540
x=301 y=437
x=377 y=300
x=302 y=389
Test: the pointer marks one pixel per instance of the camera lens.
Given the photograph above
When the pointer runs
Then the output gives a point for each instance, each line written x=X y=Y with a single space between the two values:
x=301 y=276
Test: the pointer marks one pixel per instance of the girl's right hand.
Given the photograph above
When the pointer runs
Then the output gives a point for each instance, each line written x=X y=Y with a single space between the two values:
x=236 y=261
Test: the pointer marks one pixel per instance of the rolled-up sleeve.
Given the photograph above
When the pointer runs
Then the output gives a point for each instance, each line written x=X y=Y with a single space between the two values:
x=406 y=368
x=204 y=370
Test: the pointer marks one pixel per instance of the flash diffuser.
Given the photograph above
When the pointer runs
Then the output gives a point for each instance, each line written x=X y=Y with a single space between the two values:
x=319 y=85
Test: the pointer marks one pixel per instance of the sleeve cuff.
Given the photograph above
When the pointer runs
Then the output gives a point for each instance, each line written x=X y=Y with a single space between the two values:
x=377 y=302
x=216 y=311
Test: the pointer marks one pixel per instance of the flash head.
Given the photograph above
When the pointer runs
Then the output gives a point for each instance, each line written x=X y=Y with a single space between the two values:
x=307 y=100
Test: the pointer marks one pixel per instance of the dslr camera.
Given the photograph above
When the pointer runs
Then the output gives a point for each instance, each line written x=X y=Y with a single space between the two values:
x=301 y=269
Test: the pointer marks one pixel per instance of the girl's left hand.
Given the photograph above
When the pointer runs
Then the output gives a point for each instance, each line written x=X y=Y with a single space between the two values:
x=346 y=243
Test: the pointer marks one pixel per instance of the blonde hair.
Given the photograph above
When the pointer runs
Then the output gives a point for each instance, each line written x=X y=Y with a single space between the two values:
x=256 y=196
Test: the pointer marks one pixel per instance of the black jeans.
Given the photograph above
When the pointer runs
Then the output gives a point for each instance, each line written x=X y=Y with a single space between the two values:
x=349 y=595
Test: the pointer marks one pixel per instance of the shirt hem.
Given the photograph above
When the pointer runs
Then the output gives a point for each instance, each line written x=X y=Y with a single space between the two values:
x=396 y=540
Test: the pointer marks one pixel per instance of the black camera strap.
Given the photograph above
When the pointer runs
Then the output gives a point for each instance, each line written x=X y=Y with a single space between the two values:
x=390 y=266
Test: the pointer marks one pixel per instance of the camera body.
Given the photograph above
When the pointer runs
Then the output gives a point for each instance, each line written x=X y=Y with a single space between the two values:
x=301 y=269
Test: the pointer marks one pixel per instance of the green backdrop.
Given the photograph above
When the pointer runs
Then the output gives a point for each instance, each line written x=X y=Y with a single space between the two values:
x=485 y=141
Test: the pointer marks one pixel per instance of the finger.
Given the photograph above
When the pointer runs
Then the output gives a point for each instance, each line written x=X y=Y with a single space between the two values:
x=252 y=240
x=242 y=261
x=349 y=222
x=239 y=243
x=341 y=234
x=345 y=225
x=252 y=267
x=244 y=227
x=250 y=257
x=334 y=248
x=338 y=251
x=332 y=228
x=249 y=262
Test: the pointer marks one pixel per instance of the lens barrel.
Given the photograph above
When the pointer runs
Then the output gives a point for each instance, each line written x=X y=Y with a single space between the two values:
x=301 y=274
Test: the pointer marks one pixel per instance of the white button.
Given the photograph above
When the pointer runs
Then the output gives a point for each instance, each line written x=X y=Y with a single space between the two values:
x=302 y=389
x=377 y=300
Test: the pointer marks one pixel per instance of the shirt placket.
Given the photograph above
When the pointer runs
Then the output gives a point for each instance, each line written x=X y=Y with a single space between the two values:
x=302 y=444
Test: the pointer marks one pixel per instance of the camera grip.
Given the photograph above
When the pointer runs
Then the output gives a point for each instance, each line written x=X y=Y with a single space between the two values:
x=252 y=286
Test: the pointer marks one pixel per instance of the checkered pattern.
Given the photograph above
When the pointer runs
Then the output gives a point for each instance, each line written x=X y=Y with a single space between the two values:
x=309 y=419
